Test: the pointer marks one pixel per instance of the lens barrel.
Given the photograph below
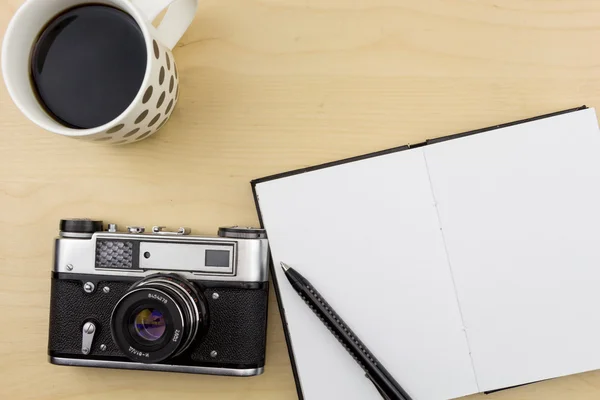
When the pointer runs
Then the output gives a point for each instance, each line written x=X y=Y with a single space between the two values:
x=177 y=308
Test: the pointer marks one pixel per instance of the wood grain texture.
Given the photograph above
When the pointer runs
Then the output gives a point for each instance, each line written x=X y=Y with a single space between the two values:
x=268 y=86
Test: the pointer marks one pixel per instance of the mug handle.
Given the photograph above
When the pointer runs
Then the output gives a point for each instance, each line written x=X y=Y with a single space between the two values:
x=176 y=21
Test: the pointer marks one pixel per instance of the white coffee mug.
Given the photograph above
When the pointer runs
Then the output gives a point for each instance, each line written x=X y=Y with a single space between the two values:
x=156 y=99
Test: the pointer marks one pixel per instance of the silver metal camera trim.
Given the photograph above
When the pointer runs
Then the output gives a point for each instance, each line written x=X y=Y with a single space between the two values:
x=78 y=256
x=155 y=367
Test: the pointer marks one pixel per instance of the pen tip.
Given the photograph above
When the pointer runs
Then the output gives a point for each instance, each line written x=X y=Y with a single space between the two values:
x=284 y=266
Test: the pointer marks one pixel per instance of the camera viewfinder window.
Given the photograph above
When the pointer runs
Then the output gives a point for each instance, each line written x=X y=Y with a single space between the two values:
x=217 y=258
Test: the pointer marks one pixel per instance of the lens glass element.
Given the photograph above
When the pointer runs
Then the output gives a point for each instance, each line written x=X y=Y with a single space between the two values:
x=150 y=324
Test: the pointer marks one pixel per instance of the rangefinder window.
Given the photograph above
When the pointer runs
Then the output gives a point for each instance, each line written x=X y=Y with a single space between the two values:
x=201 y=258
x=217 y=258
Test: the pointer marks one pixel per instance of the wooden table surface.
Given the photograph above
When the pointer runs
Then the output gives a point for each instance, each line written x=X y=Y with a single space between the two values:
x=268 y=86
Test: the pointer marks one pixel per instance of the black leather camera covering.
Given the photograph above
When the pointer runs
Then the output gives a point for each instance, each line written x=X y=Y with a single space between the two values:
x=237 y=327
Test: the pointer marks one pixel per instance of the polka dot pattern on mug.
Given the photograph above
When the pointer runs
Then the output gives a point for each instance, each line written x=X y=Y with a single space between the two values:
x=156 y=49
x=144 y=135
x=154 y=120
x=115 y=129
x=161 y=99
x=161 y=76
x=157 y=104
x=141 y=117
x=133 y=132
x=147 y=95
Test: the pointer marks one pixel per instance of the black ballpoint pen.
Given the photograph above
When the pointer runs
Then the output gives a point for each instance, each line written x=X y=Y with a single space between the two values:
x=383 y=381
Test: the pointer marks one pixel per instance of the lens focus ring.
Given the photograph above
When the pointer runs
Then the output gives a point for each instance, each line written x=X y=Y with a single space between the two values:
x=158 y=318
x=187 y=297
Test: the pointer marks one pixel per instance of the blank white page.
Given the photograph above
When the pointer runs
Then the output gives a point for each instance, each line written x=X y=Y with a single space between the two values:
x=520 y=212
x=366 y=234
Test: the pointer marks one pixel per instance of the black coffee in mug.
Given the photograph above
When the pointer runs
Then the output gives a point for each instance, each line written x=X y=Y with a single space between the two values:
x=88 y=65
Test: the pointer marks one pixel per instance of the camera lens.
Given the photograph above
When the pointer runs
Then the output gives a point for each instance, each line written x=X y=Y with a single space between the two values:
x=149 y=324
x=158 y=318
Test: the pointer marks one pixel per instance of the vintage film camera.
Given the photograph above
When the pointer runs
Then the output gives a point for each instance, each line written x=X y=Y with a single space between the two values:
x=164 y=301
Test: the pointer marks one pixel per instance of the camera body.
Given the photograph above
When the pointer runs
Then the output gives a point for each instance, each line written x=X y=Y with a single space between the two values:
x=163 y=301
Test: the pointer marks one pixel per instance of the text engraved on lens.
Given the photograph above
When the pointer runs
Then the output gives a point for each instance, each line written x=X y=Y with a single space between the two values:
x=157 y=297
x=138 y=353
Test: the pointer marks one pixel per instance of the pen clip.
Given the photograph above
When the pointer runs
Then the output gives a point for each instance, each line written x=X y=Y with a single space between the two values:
x=379 y=389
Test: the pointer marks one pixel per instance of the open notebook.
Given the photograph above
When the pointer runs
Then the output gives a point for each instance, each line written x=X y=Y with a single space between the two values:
x=466 y=264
